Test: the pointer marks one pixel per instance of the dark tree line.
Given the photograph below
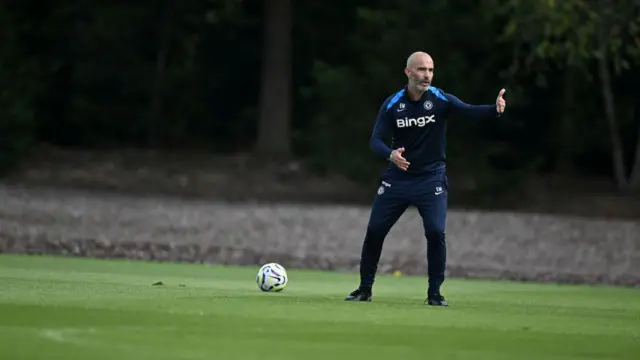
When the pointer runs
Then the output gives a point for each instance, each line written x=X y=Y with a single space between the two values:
x=306 y=79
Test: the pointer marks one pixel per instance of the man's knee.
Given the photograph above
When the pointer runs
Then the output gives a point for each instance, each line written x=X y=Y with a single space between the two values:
x=435 y=233
x=382 y=218
x=377 y=228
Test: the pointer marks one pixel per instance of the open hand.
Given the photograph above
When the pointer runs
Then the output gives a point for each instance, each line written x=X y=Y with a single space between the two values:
x=500 y=103
x=398 y=160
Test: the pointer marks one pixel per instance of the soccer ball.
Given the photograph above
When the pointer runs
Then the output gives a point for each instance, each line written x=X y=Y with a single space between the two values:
x=272 y=277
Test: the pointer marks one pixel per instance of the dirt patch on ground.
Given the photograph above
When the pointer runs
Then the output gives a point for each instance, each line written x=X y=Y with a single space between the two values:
x=481 y=244
x=243 y=178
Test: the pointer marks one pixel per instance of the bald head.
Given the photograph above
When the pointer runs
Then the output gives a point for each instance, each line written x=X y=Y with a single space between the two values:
x=419 y=72
x=418 y=57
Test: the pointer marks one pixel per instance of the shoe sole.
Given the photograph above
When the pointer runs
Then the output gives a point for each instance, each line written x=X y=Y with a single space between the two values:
x=443 y=305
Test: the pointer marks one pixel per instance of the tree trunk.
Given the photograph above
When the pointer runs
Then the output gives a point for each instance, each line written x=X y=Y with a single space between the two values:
x=157 y=85
x=275 y=94
x=617 y=152
x=634 y=181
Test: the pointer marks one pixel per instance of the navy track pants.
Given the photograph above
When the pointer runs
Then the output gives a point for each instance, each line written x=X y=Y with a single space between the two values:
x=429 y=195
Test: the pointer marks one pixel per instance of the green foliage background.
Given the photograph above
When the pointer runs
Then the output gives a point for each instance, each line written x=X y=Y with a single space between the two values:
x=161 y=74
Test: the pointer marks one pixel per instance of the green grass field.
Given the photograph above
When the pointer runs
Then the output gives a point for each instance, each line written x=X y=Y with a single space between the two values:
x=64 y=308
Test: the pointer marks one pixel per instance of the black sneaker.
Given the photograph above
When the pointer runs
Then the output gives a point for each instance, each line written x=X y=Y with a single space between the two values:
x=436 y=300
x=360 y=295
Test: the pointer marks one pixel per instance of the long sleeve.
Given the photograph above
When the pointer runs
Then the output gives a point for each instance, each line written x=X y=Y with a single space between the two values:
x=475 y=112
x=380 y=130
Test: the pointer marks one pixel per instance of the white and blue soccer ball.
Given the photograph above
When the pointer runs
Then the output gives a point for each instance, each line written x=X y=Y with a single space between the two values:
x=272 y=277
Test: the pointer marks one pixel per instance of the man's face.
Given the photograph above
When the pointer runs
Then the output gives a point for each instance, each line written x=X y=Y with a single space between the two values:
x=420 y=73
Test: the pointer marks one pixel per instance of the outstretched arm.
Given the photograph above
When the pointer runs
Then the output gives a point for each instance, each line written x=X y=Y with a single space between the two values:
x=380 y=130
x=477 y=111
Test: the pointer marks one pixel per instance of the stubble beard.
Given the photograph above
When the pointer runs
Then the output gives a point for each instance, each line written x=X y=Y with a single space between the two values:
x=419 y=87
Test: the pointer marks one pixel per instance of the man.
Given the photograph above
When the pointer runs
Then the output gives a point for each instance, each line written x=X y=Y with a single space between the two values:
x=416 y=118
